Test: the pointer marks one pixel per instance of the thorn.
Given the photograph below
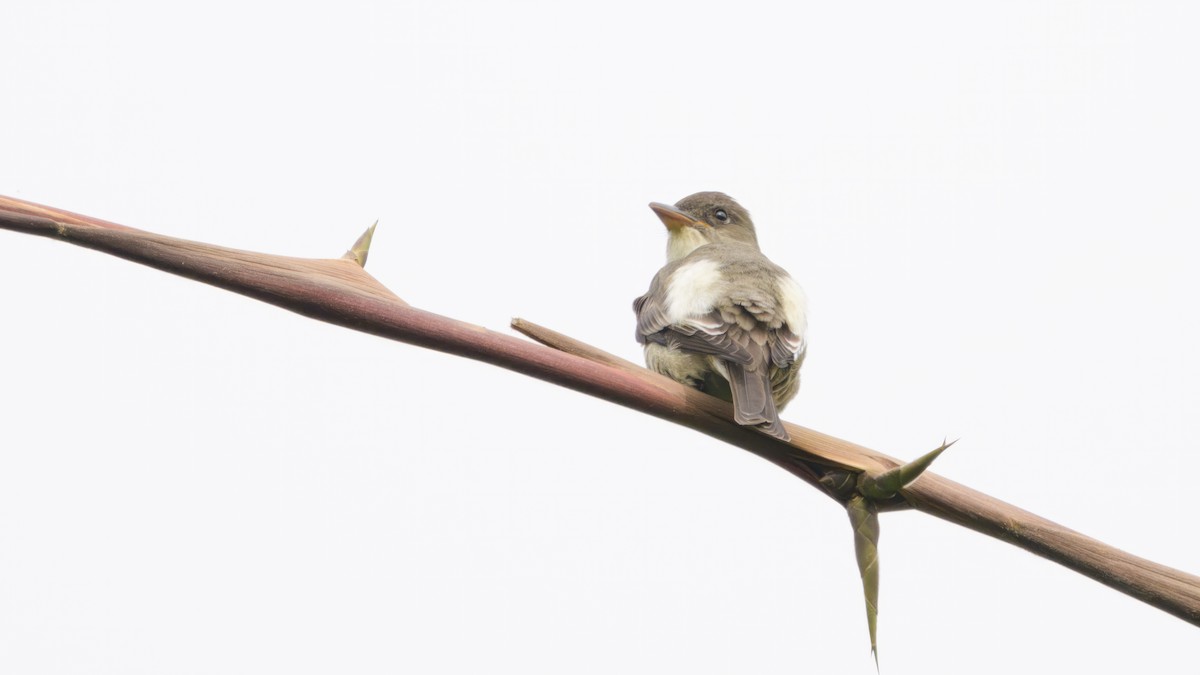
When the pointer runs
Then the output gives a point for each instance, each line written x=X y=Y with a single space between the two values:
x=888 y=483
x=864 y=518
x=358 y=252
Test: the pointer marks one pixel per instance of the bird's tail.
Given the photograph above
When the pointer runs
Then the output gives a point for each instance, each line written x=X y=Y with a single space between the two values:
x=753 y=403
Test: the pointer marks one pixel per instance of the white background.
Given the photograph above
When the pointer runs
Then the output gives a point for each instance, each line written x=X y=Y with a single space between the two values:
x=993 y=207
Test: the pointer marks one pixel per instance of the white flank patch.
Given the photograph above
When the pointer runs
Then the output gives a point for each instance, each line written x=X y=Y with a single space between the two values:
x=692 y=290
x=683 y=241
x=793 y=303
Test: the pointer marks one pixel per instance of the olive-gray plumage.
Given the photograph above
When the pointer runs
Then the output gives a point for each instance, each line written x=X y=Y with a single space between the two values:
x=720 y=316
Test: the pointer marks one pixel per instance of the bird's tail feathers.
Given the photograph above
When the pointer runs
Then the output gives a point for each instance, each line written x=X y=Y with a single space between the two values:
x=753 y=403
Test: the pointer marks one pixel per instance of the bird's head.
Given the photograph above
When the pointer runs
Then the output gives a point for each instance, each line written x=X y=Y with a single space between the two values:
x=704 y=218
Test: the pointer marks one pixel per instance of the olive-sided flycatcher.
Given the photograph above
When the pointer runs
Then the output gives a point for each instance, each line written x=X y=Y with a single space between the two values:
x=720 y=316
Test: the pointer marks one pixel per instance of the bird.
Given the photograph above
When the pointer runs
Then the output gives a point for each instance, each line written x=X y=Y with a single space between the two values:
x=720 y=316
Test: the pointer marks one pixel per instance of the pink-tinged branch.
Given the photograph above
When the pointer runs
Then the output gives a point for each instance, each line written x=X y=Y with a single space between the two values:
x=339 y=291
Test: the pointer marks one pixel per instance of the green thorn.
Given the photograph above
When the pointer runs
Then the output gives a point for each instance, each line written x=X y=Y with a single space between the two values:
x=358 y=252
x=864 y=518
x=888 y=483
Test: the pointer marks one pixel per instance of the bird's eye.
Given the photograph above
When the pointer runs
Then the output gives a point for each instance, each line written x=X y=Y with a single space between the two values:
x=722 y=216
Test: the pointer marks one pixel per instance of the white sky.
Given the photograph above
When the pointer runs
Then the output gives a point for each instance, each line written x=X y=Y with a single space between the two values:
x=993 y=207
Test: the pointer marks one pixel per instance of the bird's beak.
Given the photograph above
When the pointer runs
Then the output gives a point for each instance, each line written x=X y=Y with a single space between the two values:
x=675 y=219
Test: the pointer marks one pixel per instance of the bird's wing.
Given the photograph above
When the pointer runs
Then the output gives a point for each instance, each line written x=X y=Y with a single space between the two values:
x=651 y=317
x=703 y=334
x=786 y=348
x=762 y=312
x=710 y=334
x=760 y=316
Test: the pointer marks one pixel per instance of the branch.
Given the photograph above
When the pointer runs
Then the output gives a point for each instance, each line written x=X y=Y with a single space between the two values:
x=339 y=291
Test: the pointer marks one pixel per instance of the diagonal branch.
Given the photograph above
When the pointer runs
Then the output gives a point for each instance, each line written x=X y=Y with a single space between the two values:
x=339 y=291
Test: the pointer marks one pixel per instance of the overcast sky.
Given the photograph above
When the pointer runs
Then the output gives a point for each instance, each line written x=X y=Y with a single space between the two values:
x=992 y=206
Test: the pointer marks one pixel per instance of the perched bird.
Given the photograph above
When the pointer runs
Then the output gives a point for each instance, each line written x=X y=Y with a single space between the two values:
x=720 y=316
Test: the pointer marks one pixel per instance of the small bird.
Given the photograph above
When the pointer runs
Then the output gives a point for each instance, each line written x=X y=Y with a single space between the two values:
x=720 y=316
